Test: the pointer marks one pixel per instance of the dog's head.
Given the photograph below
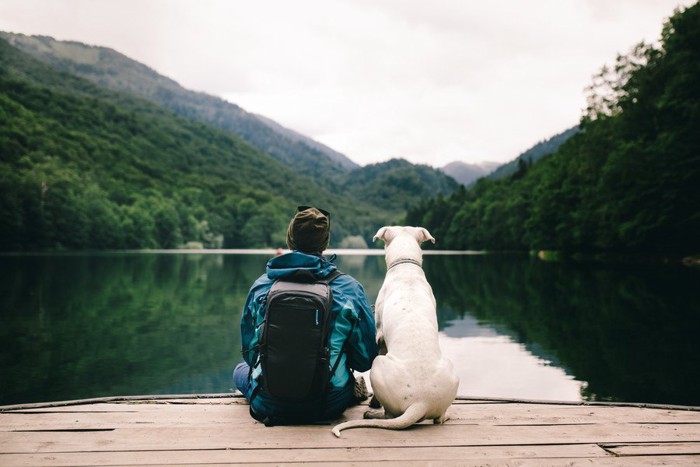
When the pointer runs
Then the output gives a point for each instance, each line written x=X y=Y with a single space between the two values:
x=390 y=232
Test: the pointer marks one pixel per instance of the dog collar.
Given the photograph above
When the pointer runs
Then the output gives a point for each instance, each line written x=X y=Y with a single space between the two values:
x=405 y=260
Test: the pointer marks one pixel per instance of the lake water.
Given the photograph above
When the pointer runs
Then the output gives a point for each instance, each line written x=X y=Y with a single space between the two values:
x=91 y=325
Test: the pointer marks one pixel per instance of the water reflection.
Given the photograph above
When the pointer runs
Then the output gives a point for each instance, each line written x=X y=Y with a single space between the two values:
x=76 y=326
x=625 y=333
x=79 y=326
x=494 y=365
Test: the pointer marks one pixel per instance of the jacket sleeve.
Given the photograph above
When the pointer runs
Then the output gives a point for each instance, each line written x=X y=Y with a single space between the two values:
x=363 y=342
x=252 y=317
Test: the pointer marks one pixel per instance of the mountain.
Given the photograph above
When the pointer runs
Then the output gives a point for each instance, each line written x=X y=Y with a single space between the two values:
x=327 y=167
x=113 y=70
x=625 y=184
x=297 y=137
x=535 y=153
x=397 y=184
x=466 y=174
x=82 y=167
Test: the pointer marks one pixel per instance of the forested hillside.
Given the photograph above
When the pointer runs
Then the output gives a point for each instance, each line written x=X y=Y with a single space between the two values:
x=629 y=182
x=397 y=184
x=87 y=167
x=532 y=155
x=112 y=70
x=84 y=167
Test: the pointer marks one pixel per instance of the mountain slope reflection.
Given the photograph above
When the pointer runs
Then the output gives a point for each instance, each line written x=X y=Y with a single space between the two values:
x=618 y=332
x=491 y=363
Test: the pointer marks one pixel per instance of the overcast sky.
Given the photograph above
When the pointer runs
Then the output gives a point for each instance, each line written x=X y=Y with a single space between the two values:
x=428 y=81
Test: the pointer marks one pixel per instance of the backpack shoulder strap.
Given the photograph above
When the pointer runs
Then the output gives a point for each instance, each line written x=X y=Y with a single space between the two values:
x=330 y=277
x=305 y=276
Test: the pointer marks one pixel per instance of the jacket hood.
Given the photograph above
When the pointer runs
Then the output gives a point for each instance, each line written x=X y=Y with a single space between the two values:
x=287 y=264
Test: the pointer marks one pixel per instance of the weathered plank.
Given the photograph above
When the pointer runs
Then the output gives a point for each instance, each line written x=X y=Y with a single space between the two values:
x=124 y=415
x=87 y=403
x=255 y=435
x=220 y=431
x=298 y=459
x=363 y=455
x=654 y=449
x=11 y=421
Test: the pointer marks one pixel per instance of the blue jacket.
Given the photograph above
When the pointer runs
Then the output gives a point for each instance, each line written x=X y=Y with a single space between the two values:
x=350 y=304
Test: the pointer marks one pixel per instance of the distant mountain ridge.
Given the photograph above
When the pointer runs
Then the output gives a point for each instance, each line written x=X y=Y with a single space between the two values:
x=293 y=135
x=466 y=174
x=534 y=154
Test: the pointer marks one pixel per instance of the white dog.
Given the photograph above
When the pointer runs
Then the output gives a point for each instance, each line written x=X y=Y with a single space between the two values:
x=412 y=381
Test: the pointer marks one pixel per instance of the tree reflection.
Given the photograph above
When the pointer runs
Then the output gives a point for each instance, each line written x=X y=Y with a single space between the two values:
x=628 y=331
x=77 y=326
x=85 y=326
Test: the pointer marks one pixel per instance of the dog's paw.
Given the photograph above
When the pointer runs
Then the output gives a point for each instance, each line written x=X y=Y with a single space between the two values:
x=374 y=413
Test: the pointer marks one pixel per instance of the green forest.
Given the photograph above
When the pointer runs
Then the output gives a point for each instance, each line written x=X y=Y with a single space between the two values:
x=627 y=183
x=84 y=167
x=111 y=155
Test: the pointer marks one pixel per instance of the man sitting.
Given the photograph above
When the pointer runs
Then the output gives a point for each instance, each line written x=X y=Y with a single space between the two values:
x=352 y=341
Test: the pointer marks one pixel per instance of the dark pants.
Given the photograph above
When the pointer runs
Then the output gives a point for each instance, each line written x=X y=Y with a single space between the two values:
x=337 y=400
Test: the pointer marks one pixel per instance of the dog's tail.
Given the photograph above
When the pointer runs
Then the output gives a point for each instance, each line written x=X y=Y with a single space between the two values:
x=413 y=414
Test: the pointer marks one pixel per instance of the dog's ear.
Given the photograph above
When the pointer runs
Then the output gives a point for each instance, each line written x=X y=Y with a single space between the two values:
x=381 y=233
x=424 y=235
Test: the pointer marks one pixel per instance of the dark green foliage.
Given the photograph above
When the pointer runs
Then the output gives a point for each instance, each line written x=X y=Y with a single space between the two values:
x=535 y=153
x=85 y=167
x=87 y=325
x=629 y=182
x=82 y=167
x=628 y=331
x=77 y=326
x=397 y=184
x=112 y=70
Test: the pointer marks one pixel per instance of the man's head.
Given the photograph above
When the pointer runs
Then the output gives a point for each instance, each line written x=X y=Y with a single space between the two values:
x=309 y=231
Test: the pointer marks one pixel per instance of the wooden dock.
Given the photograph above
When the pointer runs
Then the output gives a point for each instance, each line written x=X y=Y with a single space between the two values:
x=216 y=429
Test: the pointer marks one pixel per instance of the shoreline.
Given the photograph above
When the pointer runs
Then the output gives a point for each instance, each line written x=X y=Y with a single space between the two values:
x=692 y=260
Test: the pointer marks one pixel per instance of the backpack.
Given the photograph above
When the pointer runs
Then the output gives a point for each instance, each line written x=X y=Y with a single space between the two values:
x=294 y=347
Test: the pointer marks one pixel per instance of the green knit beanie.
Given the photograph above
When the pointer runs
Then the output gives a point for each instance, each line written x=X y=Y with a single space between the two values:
x=309 y=231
